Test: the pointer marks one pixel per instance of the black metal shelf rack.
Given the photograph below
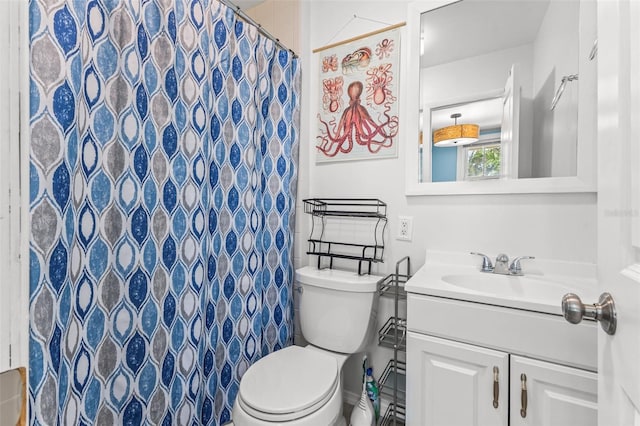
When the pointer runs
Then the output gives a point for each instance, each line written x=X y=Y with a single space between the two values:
x=393 y=334
x=370 y=209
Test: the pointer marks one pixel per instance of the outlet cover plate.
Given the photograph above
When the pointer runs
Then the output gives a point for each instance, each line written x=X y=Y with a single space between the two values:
x=405 y=228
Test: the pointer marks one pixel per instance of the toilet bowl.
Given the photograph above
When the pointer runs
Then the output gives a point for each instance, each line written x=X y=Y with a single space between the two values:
x=294 y=386
x=302 y=386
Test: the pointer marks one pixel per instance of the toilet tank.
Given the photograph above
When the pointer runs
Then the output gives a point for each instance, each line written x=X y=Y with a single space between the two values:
x=337 y=309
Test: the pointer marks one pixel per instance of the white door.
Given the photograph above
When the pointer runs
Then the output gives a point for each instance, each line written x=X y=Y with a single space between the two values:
x=453 y=384
x=619 y=208
x=510 y=128
x=543 y=393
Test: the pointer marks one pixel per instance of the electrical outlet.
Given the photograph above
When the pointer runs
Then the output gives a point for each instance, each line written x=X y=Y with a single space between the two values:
x=405 y=228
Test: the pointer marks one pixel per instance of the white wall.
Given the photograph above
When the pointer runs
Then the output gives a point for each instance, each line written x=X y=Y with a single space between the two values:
x=477 y=75
x=560 y=226
x=480 y=75
x=556 y=55
x=281 y=18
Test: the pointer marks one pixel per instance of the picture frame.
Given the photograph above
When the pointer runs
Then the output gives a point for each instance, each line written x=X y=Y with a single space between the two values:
x=358 y=115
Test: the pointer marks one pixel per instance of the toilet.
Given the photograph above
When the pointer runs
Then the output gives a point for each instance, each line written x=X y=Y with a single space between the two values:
x=300 y=386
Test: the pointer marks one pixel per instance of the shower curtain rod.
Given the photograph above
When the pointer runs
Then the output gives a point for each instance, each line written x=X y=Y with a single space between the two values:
x=241 y=13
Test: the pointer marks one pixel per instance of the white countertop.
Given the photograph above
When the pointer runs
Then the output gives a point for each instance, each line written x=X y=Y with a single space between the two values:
x=540 y=289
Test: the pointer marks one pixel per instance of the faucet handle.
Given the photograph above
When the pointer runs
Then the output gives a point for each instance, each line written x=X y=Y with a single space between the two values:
x=486 y=262
x=515 y=268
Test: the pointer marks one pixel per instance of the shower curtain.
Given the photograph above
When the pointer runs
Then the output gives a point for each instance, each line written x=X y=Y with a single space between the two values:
x=164 y=138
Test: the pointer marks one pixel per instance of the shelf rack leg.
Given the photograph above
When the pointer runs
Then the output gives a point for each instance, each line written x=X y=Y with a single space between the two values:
x=395 y=335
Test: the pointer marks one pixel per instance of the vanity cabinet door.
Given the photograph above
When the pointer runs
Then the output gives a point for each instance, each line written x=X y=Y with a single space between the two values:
x=452 y=384
x=555 y=395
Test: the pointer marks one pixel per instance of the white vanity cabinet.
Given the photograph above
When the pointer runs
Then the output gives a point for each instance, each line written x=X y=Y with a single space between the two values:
x=454 y=383
x=451 y=383
x=466 y=363
x=555 y=395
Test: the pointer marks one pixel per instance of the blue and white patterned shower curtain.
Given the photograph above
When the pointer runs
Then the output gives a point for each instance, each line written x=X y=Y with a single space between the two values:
x=163 y=180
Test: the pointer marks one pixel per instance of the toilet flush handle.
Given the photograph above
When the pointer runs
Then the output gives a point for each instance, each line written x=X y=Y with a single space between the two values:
x=298 y=288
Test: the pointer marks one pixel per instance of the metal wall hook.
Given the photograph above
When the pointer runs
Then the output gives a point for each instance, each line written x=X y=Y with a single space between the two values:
x=594 y=51
x=560 y=90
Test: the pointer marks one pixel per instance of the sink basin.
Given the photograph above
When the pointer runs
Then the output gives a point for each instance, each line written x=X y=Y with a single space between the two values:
x=525 y=287
x=540 y=289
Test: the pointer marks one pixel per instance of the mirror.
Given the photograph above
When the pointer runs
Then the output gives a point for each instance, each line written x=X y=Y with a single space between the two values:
x=489 y=72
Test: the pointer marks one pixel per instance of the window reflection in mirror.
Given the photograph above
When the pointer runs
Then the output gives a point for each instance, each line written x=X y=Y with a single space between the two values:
x=478 y=160
x=499 y=64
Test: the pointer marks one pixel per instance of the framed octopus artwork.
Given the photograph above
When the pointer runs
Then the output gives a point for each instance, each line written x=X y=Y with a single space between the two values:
x=358 y=112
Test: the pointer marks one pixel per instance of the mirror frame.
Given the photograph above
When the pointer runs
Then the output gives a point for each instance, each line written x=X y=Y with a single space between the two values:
x=584 y=181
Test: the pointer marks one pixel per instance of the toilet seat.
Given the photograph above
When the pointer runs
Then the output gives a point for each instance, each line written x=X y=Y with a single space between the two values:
x=288 y=384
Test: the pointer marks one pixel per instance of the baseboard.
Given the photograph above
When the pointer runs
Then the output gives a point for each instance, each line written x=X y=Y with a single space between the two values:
x=349 y=397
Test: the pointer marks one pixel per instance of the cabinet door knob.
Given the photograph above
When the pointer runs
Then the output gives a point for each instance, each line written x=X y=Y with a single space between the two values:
x=523 y=396
x=496 y=386
x=604 y=311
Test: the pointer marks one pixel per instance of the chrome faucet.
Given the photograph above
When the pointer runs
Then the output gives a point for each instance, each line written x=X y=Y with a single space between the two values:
x=515 y=268
x=487 y=266
x=502 y=264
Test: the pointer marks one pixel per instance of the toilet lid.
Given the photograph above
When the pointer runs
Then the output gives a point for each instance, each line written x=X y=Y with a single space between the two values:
x=288 y=384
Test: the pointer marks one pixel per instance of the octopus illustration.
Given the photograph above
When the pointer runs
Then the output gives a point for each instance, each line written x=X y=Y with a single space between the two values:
x=357 y=125
x=378 y=84
x=357 y=60
x=384 y=48
x=330 y=63
x=332 y=94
